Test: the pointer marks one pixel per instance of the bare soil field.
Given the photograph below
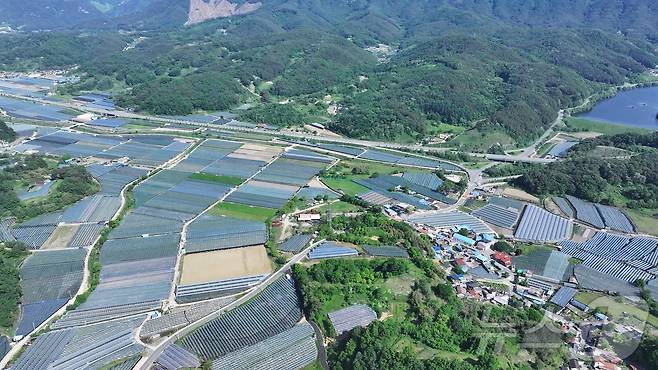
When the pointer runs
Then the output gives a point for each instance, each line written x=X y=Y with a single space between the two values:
x=520 y=195
x=224 y=264
x=256 y=152
x=61 y=237
x=553 y=208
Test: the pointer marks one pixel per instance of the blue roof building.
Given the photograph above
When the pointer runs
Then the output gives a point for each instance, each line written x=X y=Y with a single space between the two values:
x=456 y=277
x=579 y=305
x=600 y=316
x=487 y=237
x=480 y=257
x=464 y=239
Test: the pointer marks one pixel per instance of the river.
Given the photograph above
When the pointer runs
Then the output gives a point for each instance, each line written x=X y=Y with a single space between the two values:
x=635 y=107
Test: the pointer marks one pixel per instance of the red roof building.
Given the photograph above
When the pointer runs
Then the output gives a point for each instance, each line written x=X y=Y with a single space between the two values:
x=503 y=258
x=473 y=293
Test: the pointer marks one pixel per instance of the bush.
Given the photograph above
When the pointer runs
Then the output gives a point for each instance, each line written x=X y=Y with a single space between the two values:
x=503 y=246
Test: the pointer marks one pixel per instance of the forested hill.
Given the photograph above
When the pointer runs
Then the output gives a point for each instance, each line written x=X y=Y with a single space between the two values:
x=92 y=14
x=499 y=66
x=633 y=17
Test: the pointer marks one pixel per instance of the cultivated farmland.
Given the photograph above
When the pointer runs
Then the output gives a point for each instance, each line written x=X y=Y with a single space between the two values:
x=224 y=264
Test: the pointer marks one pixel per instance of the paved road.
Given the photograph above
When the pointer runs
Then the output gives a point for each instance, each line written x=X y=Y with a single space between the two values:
x=515 y=158
x=146 y=362
x=319 y=342
x=297 y=135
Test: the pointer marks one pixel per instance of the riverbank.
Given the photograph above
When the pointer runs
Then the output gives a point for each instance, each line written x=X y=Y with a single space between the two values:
x=575 y=124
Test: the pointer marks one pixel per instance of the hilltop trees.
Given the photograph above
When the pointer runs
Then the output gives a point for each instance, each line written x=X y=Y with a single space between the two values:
x=600 y=179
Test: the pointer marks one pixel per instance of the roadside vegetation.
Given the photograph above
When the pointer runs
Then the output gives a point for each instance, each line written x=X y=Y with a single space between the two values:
x=574 y=124
x=12 y=255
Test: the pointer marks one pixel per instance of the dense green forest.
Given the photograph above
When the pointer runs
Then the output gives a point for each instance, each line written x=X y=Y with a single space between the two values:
x=282 y=115
x=72 y=184
x=171 y=96
x=6 y=132
x=11 y=255
x=631 y=181
x=447 y=63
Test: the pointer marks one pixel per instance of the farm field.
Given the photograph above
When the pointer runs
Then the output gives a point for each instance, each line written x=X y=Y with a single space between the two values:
x=345 y=185
x=646 y=221
x=61 y=237
x=611 y=306
x=477 y=141
x=520 y=194
x=222 y=179
x=224 y=264
x=244 y=212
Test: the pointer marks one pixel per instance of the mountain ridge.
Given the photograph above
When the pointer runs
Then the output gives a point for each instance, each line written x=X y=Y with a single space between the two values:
x=631 y=17
x=472 y=64
x=203 y=10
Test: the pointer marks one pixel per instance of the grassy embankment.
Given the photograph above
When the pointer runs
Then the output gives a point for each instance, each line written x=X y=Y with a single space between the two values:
x=585 y=125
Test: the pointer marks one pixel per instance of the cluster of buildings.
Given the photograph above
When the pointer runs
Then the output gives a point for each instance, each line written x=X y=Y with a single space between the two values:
x=478 y=272
x=468 y=251
x=468 y=257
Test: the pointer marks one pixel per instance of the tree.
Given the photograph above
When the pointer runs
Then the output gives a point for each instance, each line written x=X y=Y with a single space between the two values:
x=503 y=246
x=647 y=352
x=7 y=134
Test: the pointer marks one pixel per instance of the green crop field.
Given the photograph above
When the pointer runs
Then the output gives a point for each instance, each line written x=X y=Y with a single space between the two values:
x=243 y=212
x=615 y=307
x=646 y=220
x=209 y=177
x=346 y=185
